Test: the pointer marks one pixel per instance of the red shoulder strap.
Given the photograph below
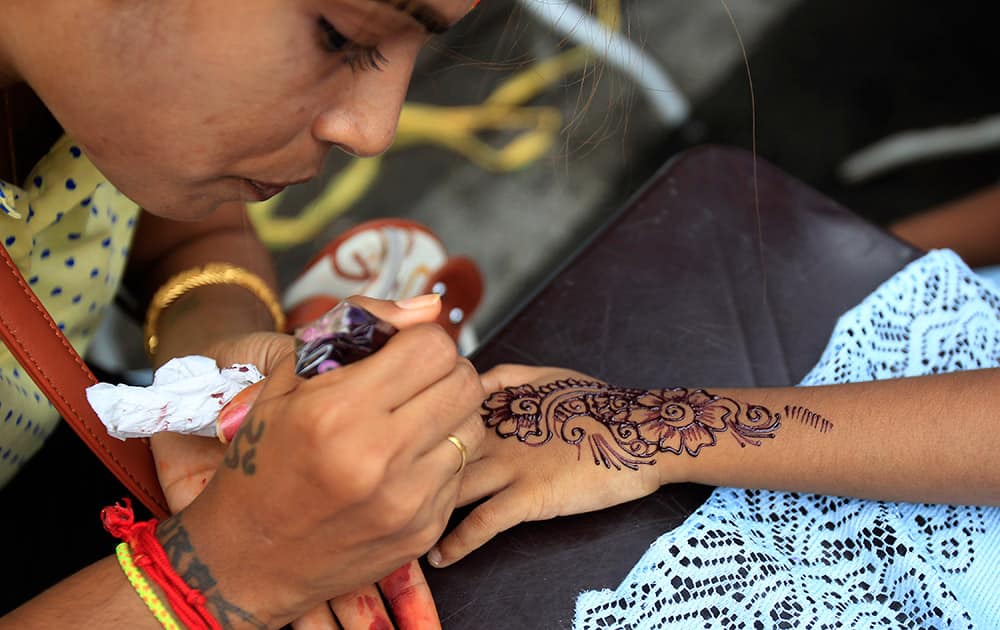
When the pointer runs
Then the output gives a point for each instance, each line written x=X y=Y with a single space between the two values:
x=47 y=356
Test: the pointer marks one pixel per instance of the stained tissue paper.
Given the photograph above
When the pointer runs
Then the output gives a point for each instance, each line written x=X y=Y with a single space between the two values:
x=188 y=392
x=185 y=397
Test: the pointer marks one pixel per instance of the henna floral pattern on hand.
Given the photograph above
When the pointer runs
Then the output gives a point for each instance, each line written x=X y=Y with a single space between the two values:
x=622 y=427
x=516 y=411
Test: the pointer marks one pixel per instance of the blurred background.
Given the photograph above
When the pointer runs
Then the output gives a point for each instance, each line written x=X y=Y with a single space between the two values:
x=516 y=146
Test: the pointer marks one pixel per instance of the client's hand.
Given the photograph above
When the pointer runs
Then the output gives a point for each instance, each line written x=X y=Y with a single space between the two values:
x=556 y=445
x=185 y=464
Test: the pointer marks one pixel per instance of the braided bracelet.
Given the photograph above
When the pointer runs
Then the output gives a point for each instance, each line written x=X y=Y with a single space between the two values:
x=143 y=588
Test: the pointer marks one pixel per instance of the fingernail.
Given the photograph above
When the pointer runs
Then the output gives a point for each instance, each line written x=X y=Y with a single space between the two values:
x=434 y=557
x=229 y=421
x=420 y=301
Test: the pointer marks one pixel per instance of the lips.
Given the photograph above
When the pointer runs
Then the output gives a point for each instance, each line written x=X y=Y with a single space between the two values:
x=262 y=191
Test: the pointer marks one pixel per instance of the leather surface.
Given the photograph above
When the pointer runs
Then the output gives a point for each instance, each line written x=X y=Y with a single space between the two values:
x=45 y=354
x=687 y=285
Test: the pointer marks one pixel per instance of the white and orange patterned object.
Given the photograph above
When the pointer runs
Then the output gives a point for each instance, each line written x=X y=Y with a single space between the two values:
x=389 y=259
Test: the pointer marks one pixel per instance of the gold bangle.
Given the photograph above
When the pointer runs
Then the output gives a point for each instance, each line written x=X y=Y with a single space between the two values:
x=208 y=275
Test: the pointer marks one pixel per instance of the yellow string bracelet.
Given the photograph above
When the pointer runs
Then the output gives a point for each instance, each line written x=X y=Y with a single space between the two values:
x=208 y=275
x=144 y=590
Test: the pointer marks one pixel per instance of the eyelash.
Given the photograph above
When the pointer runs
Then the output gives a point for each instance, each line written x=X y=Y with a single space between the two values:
x=357 y=56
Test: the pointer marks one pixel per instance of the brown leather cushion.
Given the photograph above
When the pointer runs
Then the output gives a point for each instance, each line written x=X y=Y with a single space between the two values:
x=685 y=286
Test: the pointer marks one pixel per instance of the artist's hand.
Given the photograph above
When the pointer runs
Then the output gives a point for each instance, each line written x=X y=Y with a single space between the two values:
x=185 y=463
x=552 y=449
x=335 y=481
x=189 y=466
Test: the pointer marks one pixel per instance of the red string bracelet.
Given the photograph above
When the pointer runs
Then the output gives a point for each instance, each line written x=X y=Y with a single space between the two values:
x=187 y=603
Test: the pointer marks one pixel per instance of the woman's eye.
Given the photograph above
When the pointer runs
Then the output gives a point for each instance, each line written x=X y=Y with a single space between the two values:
x=331 y=39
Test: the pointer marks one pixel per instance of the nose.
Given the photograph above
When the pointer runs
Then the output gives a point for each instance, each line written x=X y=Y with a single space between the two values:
x=363 y=121
x=360 y=134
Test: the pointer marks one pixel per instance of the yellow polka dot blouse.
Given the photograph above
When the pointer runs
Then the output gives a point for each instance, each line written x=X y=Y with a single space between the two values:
x=68 y=229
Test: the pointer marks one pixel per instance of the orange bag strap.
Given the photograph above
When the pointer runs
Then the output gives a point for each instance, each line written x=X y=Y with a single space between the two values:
x=46 y=355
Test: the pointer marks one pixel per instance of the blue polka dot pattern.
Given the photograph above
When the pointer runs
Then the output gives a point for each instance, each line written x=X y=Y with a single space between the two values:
x=61 y=231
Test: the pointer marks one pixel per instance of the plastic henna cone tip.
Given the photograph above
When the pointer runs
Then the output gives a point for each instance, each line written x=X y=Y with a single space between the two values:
x=345 y=334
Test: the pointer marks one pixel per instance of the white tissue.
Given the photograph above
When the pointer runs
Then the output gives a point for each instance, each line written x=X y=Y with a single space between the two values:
x=185 y=397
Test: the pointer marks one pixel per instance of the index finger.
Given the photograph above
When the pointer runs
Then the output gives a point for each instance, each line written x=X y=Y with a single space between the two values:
x=411 y=361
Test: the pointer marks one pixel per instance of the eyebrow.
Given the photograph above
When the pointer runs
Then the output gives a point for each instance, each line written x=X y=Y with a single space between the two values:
x=428 y=17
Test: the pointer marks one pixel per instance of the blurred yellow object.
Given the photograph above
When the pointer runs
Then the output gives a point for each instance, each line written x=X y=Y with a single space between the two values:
x=453 y=128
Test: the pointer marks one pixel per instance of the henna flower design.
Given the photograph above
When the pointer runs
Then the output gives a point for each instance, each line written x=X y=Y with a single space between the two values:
x=680 y=420
x=626 y=428
x=516 y=411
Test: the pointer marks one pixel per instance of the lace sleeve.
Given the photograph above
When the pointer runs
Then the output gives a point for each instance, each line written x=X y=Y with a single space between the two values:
x=756 y=559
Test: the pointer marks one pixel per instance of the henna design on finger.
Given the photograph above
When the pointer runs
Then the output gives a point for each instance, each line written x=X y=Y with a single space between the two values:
x=627 y=428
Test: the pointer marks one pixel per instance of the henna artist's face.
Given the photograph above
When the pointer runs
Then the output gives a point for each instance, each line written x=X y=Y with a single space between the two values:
x=187 y=104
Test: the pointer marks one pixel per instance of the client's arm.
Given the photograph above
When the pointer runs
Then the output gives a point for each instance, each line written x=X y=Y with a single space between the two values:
x=566 y=443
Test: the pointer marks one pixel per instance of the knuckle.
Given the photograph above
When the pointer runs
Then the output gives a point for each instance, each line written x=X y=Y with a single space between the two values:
x=469 y=380
x=481 y=520
x=437 y=345
x=402 y=506
x=429 y=535
x=409 y=505
x=358 y=479
x=398 y=516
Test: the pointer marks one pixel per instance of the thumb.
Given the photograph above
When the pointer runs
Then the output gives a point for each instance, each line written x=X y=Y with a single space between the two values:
x=509 y=375
x=402 y=313
x=281 y=381
x=232 y=415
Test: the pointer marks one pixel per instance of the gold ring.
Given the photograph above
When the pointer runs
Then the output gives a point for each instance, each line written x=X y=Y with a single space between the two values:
x=461 y=451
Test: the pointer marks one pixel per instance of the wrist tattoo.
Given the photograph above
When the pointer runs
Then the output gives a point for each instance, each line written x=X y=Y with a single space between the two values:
x=626 y=428
x=176 y=542
x=242 y=452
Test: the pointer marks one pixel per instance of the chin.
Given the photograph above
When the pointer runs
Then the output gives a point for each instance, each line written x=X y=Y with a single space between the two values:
x=187 y=209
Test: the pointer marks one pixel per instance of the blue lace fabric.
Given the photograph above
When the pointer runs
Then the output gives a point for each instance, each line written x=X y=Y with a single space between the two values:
x=759 y=559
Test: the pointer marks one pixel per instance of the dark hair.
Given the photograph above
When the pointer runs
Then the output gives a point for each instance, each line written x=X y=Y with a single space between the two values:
x=27 y=132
